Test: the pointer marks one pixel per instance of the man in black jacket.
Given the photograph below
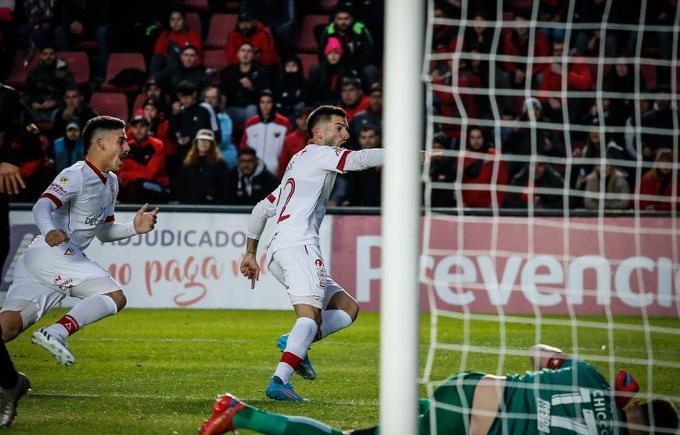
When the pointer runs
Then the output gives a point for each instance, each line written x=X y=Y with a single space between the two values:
x=250 y=181
x=187 y=118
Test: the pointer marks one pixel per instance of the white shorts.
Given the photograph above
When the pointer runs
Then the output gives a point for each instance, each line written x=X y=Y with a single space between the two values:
x=302 y=271
x=45 y=275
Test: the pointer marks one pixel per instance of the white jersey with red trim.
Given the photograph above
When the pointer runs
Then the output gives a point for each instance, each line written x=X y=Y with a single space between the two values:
x=85 y=199
x=302 y=195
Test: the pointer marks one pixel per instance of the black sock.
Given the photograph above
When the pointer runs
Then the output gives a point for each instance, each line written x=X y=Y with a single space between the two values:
x=8 y=374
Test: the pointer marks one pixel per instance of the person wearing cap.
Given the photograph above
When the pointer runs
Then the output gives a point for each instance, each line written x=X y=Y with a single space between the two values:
x=249 y=30
x=242 y=83
x=250 y=181
x=67 y=149
x=143 y=177
x=357 y=43
x=202 y=179
x=615 y=183
x=292 y=90
x=326 y=78
x=372 y=115
x=295 y=141
x=352 y=98
x=266 y=131
x=171 y=41
x=158 y=124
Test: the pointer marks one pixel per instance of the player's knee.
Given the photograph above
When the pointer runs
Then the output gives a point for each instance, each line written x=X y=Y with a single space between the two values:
x=353 y=311
x=11 y=324
x=118 y=298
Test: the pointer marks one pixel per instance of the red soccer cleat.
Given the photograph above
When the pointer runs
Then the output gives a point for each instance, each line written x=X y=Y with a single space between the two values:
x=223 y=413
x=625 y=387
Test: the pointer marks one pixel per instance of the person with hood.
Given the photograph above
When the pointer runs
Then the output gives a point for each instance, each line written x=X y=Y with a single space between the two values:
x=266 y=131
x=487 y=169
x=292 y=91
x=249 y=30
x=166 y=52
x=67 y=149
x=202 y=179
x=250 y=181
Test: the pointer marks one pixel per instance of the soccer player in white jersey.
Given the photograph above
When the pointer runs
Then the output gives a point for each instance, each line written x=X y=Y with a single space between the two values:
x=298 y=206
x=75 y=208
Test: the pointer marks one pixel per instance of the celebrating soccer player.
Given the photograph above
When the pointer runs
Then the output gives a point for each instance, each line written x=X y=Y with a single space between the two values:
x=299 y=205
x=75 y=208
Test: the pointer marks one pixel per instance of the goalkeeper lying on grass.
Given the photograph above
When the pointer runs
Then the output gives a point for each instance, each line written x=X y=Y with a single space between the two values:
x=563 y=395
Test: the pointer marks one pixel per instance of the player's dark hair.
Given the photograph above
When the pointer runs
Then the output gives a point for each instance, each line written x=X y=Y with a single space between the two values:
x=664 y=416
x=97 y=123
x=323 y=114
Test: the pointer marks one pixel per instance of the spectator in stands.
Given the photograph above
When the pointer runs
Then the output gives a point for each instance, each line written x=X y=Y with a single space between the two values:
x=516 y=43
x=660 y=117
x=143 y=176
x=277 y=15
x=519 y=142
x=327 y=77
x=46 y=84
x=260 y=38
x=67 y=149
x=442 y=170
x=552 y=11
x=166 y=53
x=158 y=125
x=250 y=181
x=489 y=170
x=188 y=117
x=80 y=20
x=152 y=89
x=266 y=131
x=214 y=102
x=242 y=83
x=203 y=176
x=372 y=115
x=38 y=27
x=74 y=110
x=445 y=101
x=620 y=79
x=357 y=43
x=363 y=187
x=478 y=37
x=352 y=98
x=658 y=181
x=292 y=91
x=591 y=151
x=295 y=141
x=442 y=35
x=189 y=69
x=592 y=11
x=545 y=177
x=579 y=78
x=615 y=183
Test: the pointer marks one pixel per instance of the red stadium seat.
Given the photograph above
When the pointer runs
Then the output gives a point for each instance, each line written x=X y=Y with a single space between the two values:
x=648 y=75
x=193 y=5
x=118 y=62
x=306 y=40
x=78 y=63
x=111 y=104
x=215 y=60
x=194 y=22
x=327 y=5
x=308 y=61
x=220 y=26
x=19 y=73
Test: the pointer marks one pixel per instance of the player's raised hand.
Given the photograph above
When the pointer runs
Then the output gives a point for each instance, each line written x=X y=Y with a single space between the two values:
x=56 y=237
x=10 y=179
x=250 y=269
x=145 y=221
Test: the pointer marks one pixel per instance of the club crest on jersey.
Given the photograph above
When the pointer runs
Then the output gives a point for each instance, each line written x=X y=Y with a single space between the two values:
x=69 y=251
x=63 y=180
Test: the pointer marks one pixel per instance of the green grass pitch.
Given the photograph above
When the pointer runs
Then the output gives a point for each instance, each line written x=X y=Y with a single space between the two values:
x=157 y=371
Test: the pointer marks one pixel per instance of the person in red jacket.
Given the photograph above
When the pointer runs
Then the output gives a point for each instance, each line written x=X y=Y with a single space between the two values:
x=487 y=170
x=352 y=98
x=516 y=43
x=658 y=181
x=248 y=29
x=170 y=43
x=142 y=177
x=295 y=141
x=579 y=77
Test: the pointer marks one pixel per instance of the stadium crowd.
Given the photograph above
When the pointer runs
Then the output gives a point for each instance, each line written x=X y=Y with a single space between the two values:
x=216 y=95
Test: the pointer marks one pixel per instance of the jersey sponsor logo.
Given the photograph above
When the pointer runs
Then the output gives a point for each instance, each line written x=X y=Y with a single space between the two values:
x=57 y=189
x=543 y=415
x=94 y=221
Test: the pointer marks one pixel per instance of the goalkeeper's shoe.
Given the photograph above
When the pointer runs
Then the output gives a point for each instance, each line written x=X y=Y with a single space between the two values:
x=625 y=387
x=55 y=344
x=10 y=399
x=222 y=417
x=305 y=368
x=277 y=390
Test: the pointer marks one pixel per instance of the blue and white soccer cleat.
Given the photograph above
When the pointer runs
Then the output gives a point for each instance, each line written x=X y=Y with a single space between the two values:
x=305 y=368
x=282 y=392
x=55 y=345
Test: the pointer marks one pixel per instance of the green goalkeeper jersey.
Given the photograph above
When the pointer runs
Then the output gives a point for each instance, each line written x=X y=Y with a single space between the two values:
x=574 y=399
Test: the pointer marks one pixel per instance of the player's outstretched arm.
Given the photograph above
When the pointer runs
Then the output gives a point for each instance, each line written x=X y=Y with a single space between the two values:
x=142 y=223
x=543 y=356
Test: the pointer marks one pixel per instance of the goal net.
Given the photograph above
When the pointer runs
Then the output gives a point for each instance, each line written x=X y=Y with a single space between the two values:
x=551 y=216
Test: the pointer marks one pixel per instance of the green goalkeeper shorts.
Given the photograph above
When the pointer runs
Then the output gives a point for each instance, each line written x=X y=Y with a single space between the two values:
x=452 y=403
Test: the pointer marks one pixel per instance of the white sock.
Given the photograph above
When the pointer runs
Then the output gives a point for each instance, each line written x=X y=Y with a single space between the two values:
x=299 y=339
x=333 y=321
x=83 y=313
